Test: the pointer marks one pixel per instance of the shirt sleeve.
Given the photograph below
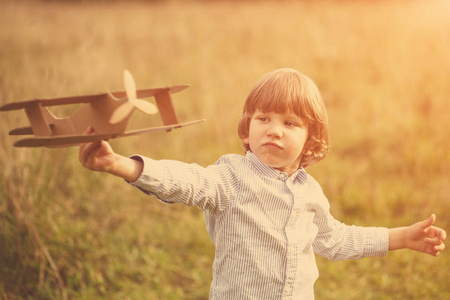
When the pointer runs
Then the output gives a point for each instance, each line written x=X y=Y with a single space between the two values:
x=338 y=241
x=171 y=181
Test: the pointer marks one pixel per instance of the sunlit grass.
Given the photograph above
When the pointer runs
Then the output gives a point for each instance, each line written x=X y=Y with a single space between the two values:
x=381 y=66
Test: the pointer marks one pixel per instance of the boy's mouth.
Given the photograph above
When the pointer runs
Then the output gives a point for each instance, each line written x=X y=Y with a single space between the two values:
x=274 y=146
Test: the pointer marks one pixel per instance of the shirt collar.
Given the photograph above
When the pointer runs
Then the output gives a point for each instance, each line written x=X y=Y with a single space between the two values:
x=273 y=173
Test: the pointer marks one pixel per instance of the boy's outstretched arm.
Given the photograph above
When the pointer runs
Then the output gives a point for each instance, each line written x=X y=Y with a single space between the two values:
x=421 y=236
x=99 y=156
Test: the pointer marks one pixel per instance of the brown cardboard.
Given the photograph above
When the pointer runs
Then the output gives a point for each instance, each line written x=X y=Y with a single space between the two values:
x=108 y=113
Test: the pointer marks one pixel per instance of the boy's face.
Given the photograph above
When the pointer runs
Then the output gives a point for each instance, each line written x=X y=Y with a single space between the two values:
x=277 y=139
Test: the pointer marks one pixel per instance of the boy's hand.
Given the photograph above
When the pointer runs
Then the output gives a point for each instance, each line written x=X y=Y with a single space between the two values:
x=99 y=156
x=96 y=156
x=424 y=237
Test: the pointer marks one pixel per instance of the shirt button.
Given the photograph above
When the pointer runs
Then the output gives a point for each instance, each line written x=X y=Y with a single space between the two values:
x=282 y=176
x=287 y=290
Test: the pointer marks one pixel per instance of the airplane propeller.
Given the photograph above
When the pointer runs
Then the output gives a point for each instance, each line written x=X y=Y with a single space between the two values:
x=126 y=108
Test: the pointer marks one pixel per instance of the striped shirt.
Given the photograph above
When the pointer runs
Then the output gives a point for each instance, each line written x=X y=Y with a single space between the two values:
x=265 y=225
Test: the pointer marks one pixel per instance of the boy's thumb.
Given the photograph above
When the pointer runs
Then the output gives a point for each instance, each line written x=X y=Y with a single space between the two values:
x=428 y=222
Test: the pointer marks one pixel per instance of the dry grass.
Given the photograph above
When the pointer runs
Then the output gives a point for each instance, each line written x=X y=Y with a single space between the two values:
x=382 y=67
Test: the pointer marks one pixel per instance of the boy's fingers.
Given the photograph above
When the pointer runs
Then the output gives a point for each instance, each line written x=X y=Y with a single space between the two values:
x=84 y=146
x=81 y=153
x=433 y=241
x=87 y=150
x=439 y=248
x=89 y=130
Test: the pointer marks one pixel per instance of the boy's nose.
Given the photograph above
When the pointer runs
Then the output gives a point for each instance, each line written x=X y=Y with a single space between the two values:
x=275 y=131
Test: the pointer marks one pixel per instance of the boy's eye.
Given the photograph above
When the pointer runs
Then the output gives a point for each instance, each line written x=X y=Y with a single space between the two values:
x=263 y=118
x=290 y=124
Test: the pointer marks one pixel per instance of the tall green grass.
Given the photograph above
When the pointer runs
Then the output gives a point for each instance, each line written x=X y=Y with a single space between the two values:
x=382 y=67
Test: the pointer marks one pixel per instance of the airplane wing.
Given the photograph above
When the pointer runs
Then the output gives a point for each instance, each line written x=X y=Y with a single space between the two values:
x=52 y=102
x=147 y=93
x=26 y=130
x=62 y=140
x=143 y=93
x=161 y=128
x=74 y=140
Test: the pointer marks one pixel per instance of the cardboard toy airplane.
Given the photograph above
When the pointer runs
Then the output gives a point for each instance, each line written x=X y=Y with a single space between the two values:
x=108 y=113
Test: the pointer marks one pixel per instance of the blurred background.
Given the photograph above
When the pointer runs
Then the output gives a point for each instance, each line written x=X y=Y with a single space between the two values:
x=382 y=68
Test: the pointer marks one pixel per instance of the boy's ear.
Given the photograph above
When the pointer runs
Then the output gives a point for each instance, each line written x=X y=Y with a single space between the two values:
x=245 y=141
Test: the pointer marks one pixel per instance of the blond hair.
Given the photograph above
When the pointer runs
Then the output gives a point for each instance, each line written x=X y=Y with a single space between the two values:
x=287 y=90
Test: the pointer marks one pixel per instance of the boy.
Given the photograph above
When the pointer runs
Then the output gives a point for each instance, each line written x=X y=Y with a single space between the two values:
x=265 y=215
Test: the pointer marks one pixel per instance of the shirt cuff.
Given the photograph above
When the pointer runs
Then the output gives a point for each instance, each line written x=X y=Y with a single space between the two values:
x=378 y=243
x=147 y=181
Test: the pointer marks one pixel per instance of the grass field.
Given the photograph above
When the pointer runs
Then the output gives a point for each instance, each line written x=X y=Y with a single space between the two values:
x=383 y=70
